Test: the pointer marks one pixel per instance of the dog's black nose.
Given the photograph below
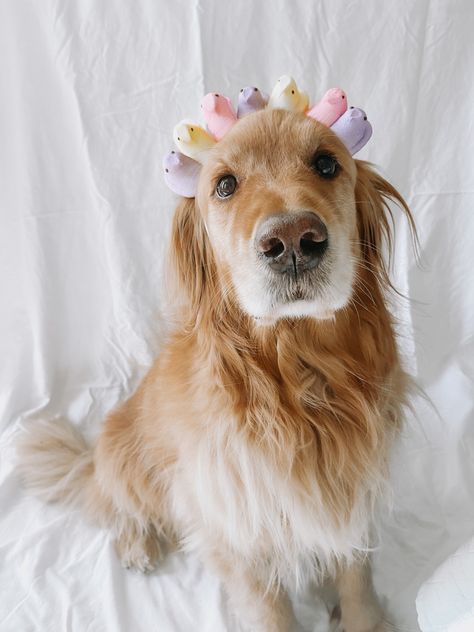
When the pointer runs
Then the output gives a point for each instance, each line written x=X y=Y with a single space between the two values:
x=292 y=242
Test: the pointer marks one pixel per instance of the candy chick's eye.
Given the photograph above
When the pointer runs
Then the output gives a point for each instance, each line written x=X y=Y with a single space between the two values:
x=226 y=186
x=325 y=165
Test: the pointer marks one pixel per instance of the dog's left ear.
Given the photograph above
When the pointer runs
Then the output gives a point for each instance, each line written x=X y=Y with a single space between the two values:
x=375 y=219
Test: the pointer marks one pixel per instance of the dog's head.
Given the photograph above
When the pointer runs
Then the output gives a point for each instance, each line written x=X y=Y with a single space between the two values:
x=283 y=222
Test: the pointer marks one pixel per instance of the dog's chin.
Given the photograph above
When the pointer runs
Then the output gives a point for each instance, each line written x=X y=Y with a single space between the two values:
x=296 y=309
x=267 y=309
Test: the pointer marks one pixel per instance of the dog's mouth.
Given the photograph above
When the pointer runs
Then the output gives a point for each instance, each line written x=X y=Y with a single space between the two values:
x=297 y=283
x=302 y=293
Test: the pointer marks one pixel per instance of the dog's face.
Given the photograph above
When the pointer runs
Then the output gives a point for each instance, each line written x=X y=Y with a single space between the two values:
x=277 y=198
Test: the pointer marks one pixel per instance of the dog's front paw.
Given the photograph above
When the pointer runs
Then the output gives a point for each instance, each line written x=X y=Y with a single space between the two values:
x=379 y=627
x=369 y=621
x=383 y=626
x=141 y=552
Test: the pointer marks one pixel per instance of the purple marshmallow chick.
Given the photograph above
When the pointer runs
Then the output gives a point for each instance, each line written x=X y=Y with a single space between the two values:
x=353 y=129
x=250 y=100
x=181 y=174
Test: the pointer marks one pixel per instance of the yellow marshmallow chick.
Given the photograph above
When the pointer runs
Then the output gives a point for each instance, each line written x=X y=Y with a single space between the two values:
x=286 y=96
x=192 y=140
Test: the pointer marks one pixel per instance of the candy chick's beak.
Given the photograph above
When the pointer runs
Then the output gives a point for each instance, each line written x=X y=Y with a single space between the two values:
x=171 y=160
x=209 y=102
x=182 y=132
x=357 y=113
x=285 y=82
x=248 y=92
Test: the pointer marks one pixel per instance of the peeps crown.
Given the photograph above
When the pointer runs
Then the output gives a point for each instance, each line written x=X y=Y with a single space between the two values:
x=182 y=167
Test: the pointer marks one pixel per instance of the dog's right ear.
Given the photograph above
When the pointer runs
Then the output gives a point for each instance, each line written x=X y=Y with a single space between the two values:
x=192 y=264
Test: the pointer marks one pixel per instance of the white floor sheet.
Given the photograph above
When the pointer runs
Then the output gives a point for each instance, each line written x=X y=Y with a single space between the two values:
x=89 y=93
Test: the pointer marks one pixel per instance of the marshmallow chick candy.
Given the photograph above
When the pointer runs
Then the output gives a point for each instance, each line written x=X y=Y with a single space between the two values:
x=330 y=107
x=250 y=100
x=218 y=114
x=286 y=96
x=353 y=129
x=192 y=140
x=181 y=173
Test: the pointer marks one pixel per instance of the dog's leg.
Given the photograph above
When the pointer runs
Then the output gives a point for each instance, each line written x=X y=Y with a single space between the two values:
x=135 y=491
x=137 y=545
x=258 y=607
x=360 y=609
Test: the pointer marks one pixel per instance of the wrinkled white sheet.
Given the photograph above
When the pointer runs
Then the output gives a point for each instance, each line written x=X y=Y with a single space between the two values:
x=89 y=92
x=446 y=600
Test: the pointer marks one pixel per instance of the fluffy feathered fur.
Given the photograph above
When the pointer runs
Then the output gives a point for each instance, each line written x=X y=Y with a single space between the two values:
x=258 y=440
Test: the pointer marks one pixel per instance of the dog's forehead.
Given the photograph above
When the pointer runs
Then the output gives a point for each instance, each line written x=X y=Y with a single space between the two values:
x=273 y=136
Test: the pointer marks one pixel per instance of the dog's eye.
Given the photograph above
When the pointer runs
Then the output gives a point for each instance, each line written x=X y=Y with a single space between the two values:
x=325 y=165
x=226 y=186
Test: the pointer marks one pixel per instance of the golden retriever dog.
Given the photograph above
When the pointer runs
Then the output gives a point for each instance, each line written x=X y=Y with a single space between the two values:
x=259 y=439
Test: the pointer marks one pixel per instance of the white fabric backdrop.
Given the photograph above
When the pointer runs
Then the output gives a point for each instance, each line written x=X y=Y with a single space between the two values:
x=89 y=93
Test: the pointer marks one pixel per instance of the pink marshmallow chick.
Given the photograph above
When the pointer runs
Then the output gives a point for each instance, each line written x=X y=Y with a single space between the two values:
x=181 y=173
x=353 y=129
x=218 y=114
x=330 y=107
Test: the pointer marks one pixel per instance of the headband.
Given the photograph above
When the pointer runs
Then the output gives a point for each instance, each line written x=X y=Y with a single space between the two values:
x=182 y=167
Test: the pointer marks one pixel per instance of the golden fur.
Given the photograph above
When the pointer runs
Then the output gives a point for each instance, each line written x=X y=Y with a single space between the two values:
x=258 y=440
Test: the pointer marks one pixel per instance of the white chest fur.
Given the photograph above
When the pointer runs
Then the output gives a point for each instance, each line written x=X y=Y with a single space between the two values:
x=229 y=492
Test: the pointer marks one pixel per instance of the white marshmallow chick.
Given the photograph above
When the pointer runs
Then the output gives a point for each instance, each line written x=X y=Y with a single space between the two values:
x=286 y=96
